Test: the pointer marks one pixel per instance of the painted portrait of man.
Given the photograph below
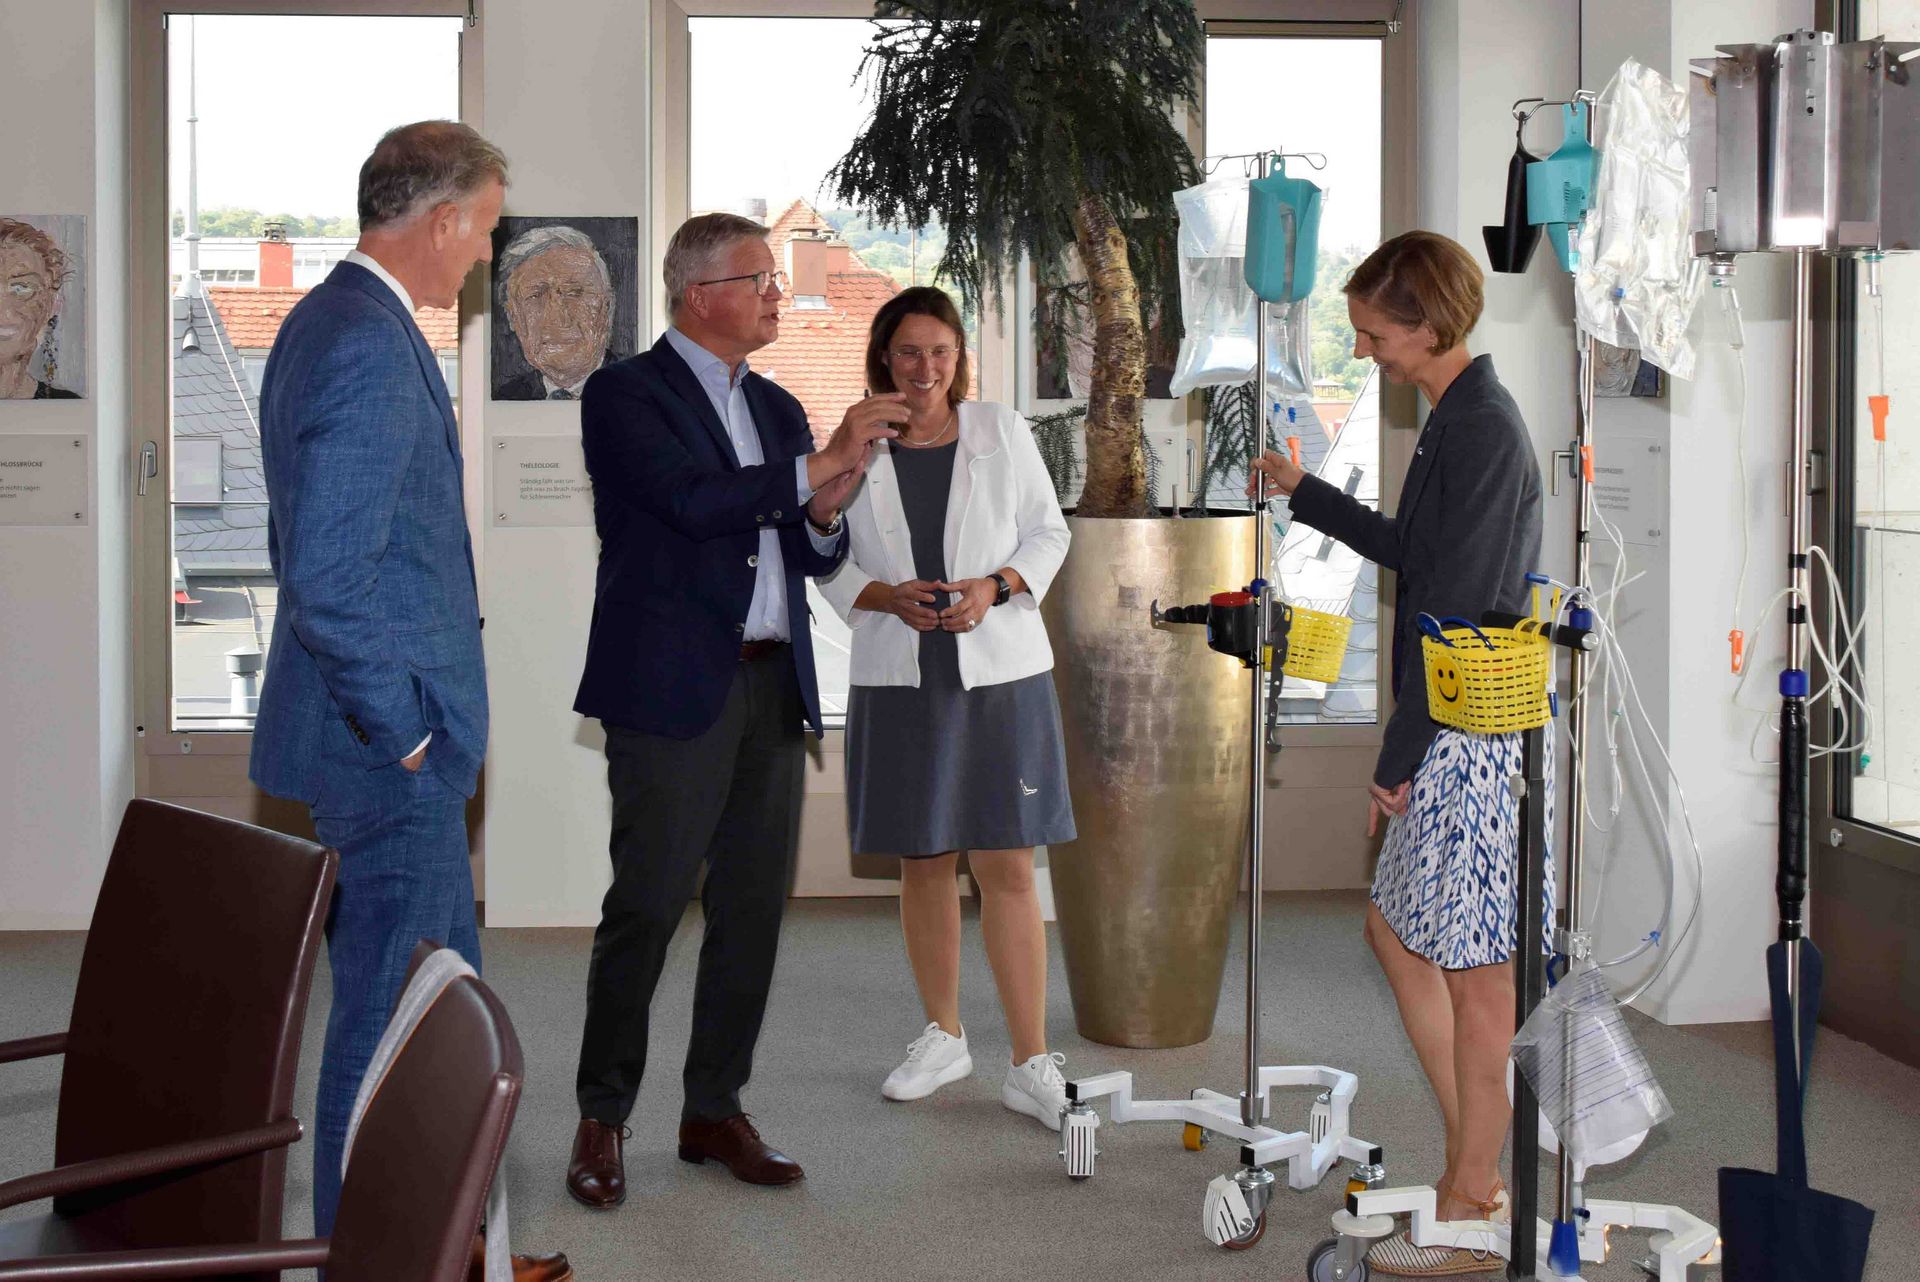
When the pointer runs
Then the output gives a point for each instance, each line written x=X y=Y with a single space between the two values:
x=559 y=305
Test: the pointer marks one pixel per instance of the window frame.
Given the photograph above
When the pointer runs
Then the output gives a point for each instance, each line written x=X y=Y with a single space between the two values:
x=150 y=293
x=1399 y=406
x=1837 y=284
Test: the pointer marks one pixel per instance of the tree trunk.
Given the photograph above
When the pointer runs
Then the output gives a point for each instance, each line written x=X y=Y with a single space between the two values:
x=1116 y=464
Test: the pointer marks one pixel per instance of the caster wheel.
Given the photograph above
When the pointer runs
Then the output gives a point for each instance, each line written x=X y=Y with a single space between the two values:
x=1193 y=1138
x=1323 y=1263
x=1252 y=1235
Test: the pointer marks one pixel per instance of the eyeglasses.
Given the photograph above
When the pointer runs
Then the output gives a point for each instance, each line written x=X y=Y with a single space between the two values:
x=940 y=353
x=760 y=281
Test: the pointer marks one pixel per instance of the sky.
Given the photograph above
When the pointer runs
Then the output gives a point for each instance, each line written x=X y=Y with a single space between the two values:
x=281 y=130
x=1301 y=95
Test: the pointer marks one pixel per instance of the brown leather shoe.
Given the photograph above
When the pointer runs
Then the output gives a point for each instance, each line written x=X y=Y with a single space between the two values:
x=597 y=1175
x=735 y=1144
x=526 y=1268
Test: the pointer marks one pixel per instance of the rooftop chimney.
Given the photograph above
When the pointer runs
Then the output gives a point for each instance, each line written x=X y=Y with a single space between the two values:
x=276 y=258
x=813 y=256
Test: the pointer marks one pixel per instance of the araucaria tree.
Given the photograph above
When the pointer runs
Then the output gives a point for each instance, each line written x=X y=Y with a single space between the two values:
x=1043 y=127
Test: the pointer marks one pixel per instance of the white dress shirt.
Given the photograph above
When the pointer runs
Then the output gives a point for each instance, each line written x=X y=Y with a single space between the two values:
x=767 y=614
x=372 y=264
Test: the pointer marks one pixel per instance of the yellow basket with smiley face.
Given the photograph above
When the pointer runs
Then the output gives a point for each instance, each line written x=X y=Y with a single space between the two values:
x=1486 y=680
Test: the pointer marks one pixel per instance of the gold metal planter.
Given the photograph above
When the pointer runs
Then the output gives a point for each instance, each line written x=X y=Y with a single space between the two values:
x=1156 y=730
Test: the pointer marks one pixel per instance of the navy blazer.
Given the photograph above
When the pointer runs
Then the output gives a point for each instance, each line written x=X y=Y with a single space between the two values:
x=1465 y=536
x=376 y=641
x=680 y=522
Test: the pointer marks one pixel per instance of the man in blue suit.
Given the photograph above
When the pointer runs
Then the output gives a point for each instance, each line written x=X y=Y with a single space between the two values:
x=712 y=508
x=374 y=710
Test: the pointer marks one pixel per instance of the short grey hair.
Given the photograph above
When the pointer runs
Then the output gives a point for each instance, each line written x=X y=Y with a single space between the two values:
x=531 y=244
x=415 y=167
x=693 y=249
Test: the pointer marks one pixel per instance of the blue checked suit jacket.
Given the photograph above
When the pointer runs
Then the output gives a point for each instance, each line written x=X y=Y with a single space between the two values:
x=377 y=639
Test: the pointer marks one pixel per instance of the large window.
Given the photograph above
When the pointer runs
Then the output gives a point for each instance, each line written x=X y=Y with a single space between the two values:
x=261 y=129
x=1876 y=525
x=772 y=166
x=1320 y=96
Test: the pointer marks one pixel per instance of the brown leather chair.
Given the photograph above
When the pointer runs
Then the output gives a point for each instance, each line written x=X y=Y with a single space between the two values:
x=416 y=1183
x=176 y=1094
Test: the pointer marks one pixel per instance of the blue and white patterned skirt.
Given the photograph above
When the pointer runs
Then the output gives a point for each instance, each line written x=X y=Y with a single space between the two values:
x=1445 y=877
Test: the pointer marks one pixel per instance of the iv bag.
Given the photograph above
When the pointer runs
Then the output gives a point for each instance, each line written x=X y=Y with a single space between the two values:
x=1220 y=347
x=1638 y=280
x=1217 y=308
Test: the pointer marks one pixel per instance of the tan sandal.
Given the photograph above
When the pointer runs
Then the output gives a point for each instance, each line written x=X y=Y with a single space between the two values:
x=1399 y=1257
x=1495 y=1209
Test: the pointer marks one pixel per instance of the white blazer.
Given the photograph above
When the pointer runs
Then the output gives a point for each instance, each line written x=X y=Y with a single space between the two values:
x=1001 y=511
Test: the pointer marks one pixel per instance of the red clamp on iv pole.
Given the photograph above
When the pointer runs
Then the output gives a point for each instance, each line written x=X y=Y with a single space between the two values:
x=1738 y=639
x=1877 y=405
x=1293 y=447
x=1586 y=463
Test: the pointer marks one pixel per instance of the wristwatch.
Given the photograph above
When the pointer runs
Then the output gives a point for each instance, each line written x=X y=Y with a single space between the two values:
x=1004 y=592
x=826 y=531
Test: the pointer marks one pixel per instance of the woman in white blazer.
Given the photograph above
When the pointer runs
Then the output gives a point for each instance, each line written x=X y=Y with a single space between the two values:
x=953 y=728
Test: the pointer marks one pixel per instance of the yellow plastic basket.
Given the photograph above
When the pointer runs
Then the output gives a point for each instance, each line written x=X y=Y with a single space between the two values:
x=1488 y=680
x=1316 y=645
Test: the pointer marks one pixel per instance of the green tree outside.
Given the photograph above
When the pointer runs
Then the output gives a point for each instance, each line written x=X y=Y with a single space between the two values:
x=248 y=224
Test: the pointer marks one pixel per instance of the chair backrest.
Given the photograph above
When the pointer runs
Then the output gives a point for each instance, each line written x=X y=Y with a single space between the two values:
x=429 y=1144
x=187 y=1018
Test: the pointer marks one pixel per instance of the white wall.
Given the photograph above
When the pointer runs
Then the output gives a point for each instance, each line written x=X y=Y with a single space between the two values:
x=578 y=146
x=1719 y=973
x=65 y=669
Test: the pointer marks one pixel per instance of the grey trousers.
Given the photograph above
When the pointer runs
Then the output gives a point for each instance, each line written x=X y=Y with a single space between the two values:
x=729 y=797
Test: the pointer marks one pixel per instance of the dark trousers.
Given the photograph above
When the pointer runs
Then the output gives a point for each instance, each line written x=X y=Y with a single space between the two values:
x=729 y=796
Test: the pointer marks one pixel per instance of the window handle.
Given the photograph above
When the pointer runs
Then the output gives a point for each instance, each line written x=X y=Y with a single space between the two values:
x=149 y=466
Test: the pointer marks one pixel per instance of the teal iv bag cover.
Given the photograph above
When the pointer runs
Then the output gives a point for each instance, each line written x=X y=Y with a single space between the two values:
x=1283 y=236
x=1559 y=187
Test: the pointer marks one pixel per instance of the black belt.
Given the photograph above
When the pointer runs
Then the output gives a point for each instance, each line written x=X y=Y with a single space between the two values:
x=752 y=650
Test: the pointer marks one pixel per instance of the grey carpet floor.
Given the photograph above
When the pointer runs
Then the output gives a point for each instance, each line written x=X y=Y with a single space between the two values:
x=955 y=1186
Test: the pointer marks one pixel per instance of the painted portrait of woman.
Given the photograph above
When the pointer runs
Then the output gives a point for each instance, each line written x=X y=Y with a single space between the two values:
x=33 y=272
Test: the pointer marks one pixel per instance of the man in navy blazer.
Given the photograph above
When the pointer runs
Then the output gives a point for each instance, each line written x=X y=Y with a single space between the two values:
x=374 y=710
x=713 y=509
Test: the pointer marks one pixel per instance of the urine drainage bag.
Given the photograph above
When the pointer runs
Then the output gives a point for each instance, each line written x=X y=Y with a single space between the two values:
x=1592 y=1082
x=1638 y=281
x=1218 y=310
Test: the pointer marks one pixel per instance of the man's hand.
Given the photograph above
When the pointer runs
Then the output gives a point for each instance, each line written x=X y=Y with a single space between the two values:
x=417 y=760
x=1386 y=801
x=846 y=450
x=827 y=500
x=912 y=603
x=972 y=598
x=1278 y=472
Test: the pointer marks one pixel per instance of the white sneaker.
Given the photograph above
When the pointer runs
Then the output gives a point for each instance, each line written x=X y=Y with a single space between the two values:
x=935 y=1058
x=1037 y=1089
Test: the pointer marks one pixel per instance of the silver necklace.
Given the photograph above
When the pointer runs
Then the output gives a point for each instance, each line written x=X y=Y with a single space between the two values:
x=936 y=439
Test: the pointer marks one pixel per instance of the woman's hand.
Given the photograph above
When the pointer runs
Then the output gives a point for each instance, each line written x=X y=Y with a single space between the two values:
x=1280 y=474
x=912 y=603
x=1386 y=801
x=972 y=598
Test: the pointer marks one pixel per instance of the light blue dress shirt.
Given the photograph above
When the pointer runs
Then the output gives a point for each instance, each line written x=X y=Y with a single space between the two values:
x=767 y=615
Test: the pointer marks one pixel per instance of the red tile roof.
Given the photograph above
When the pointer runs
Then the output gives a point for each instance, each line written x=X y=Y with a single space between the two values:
x=821 y=353
x=253 y=316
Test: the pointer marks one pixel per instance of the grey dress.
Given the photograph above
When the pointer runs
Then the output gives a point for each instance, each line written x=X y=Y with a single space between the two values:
x=938 y=767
